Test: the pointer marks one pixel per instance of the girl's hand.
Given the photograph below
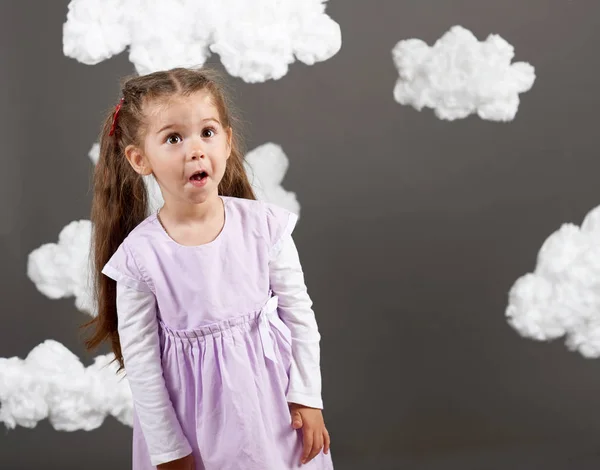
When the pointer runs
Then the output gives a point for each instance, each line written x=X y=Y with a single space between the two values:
x=185 y=463
x=315 y=435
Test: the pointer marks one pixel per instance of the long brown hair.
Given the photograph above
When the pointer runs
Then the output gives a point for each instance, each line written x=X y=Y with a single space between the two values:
x=120 y=200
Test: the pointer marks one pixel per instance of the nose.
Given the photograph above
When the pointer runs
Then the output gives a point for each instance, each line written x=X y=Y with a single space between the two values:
x=196 y=152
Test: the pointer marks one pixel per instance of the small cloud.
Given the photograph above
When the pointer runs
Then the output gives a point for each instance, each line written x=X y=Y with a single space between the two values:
x=155 y=199
x=52 y=383
x=62 y=269
x=266 y=167
x=561 y=297
x=256 y=39
x=459 y=76
x=94 y=153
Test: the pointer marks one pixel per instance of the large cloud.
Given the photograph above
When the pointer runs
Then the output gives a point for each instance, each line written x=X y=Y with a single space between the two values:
x=459 y=76
x=52 y=383
x=561 y=297
x=256 y=39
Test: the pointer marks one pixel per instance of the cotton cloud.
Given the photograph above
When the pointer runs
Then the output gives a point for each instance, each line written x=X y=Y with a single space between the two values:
x=561 y=297
x=62 y=269
x=94 y=153
x=52 y=383
x=266 y=167
x=460 y=75
x=256 y=40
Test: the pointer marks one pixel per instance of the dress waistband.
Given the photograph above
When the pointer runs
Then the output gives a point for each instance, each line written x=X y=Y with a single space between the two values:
x=267 y=317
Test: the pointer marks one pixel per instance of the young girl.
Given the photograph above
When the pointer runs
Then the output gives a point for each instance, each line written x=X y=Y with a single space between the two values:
x=204 y=301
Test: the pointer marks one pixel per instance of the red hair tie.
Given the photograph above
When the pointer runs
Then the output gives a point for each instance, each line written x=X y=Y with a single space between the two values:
x=115 y=116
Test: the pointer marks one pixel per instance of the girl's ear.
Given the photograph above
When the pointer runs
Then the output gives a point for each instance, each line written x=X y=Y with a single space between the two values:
x=138 y=160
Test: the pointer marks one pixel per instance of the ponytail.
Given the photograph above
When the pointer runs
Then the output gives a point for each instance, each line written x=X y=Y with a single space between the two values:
x=119 y=204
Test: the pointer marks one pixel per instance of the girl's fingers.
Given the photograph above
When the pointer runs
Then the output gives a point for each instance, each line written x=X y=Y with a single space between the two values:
x=308 y=439
x=326 y=441
x=296 y=419
x=317 y=446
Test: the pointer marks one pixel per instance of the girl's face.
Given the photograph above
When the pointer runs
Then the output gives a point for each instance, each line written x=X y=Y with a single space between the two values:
x=185 y=146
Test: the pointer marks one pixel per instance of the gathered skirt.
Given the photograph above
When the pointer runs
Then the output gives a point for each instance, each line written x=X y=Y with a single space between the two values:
x=228 y=383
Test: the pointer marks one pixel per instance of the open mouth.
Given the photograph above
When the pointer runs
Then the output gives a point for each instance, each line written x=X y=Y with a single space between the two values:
x=199 y=176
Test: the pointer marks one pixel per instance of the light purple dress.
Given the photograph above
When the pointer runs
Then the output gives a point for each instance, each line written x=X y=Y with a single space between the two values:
x=209 y=315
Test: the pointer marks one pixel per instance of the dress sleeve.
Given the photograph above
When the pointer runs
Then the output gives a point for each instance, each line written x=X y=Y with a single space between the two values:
x=280 y=224
x=295 y=310
x=140 y=345
x=123 y=268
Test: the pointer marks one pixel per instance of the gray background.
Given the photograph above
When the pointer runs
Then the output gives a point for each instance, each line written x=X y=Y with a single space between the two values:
x=413 y=230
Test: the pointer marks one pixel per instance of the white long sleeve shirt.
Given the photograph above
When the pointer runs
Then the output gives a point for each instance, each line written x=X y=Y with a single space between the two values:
x=140 y=344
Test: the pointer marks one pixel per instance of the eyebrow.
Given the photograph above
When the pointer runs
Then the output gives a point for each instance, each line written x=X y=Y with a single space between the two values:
x=167 y=126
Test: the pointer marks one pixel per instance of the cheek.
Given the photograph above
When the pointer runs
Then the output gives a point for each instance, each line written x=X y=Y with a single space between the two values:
x=223 y=155
x=166 y=170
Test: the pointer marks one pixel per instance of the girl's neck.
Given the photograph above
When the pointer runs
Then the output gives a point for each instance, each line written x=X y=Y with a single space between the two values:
x=185 y=213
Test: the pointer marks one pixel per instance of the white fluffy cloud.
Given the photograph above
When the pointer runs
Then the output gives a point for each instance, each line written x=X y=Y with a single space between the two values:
x=52 y=383
x=561 y=297
x=459 y=76
x=256 y=39
x=62 y=269
x=266 y=167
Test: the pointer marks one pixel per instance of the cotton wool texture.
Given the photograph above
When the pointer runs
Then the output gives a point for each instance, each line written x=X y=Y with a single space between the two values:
x=51 y=383
x=459 y=76
x=561 y=297
x=256 y=40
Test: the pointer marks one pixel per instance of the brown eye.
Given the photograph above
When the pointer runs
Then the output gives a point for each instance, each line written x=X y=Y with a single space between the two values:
x=173 y=139
x=208 y=132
